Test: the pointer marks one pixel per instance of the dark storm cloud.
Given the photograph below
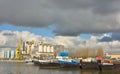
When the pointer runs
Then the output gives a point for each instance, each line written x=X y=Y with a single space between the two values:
x=8 y=34
x=8 y=47
x=114 y=36
x=106 y=6
x=106 y=39
x=71 y=17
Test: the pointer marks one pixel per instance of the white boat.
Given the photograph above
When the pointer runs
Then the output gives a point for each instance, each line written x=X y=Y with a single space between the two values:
x=29 y=61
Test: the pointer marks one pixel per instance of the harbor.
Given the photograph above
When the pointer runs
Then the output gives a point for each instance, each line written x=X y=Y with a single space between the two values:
x=48 y=56
x=59 y=36
x=64 y=62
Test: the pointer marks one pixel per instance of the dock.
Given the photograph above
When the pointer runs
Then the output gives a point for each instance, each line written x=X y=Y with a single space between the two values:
x=13 y=61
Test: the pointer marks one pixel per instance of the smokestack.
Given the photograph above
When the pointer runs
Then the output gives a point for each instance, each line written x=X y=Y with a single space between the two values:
x=23 y=46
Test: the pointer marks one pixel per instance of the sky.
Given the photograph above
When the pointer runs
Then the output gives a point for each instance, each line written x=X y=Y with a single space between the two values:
x=72 y=23
x=39 y=31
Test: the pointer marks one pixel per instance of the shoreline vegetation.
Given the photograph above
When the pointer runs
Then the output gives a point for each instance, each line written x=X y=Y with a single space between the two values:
x=84 y=53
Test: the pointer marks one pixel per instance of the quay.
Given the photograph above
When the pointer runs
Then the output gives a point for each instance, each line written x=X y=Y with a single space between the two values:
x=13 y=61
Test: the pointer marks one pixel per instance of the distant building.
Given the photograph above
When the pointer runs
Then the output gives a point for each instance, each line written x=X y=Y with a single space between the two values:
x=8 y=53
x=45 y=50
x=2 y=54
x=12 y=54
x=28 y=46
x=40 y=48
x=114 y=55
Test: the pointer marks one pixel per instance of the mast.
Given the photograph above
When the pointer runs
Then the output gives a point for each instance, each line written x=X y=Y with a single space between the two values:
x=18 y=51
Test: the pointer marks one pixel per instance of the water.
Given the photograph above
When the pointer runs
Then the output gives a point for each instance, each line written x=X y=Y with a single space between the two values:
x=23 y=68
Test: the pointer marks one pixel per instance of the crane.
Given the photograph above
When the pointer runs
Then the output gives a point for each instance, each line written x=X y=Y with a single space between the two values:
x=18 y=51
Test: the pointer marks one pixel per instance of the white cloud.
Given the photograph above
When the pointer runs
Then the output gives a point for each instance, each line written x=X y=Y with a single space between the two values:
x=11 y=39
x=2 y=40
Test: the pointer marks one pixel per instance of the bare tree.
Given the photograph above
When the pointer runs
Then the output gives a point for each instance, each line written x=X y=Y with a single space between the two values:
x=100 y=52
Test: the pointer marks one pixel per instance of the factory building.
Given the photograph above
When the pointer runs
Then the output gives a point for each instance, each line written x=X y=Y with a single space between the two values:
x=28 y=46
x=40 y=48
x=8 y=53
x=49 y=50
x=45 y=49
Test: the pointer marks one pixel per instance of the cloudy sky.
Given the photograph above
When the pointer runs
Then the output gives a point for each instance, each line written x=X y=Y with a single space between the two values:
x=73 y=23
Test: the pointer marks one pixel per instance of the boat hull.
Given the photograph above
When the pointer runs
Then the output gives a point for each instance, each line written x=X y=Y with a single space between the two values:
x=110 y=67
x=107 y=67
x=36 y=63
x=89 y=65
x=47 y=64
x=69 y=66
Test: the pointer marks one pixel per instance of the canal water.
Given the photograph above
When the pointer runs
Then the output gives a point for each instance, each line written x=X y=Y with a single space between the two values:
x=23 y=68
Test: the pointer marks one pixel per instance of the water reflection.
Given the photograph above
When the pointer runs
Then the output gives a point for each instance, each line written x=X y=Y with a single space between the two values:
x=23 y=68
x=99 y=72
x=59 y=71
x=89 y=72
x=18 y=68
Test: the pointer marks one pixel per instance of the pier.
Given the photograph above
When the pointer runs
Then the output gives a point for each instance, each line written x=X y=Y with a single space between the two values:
x=12 y=61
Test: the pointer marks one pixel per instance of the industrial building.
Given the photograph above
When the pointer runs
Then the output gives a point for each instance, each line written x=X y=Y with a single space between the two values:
x=8 y=53
x=33 y=49
x=45 y=49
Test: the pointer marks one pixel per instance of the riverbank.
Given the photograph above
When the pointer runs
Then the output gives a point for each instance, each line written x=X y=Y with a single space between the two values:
x=21 y=61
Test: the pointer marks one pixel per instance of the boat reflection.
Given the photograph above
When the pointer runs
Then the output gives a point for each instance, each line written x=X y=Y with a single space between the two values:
x=89 y=72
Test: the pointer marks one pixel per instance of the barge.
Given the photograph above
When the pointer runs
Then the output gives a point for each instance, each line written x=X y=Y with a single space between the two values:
x=90 y=63
x=46 y=64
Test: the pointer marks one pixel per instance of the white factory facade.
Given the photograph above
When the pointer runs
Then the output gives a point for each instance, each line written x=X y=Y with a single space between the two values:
x=32 y=49
x=41 y=49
